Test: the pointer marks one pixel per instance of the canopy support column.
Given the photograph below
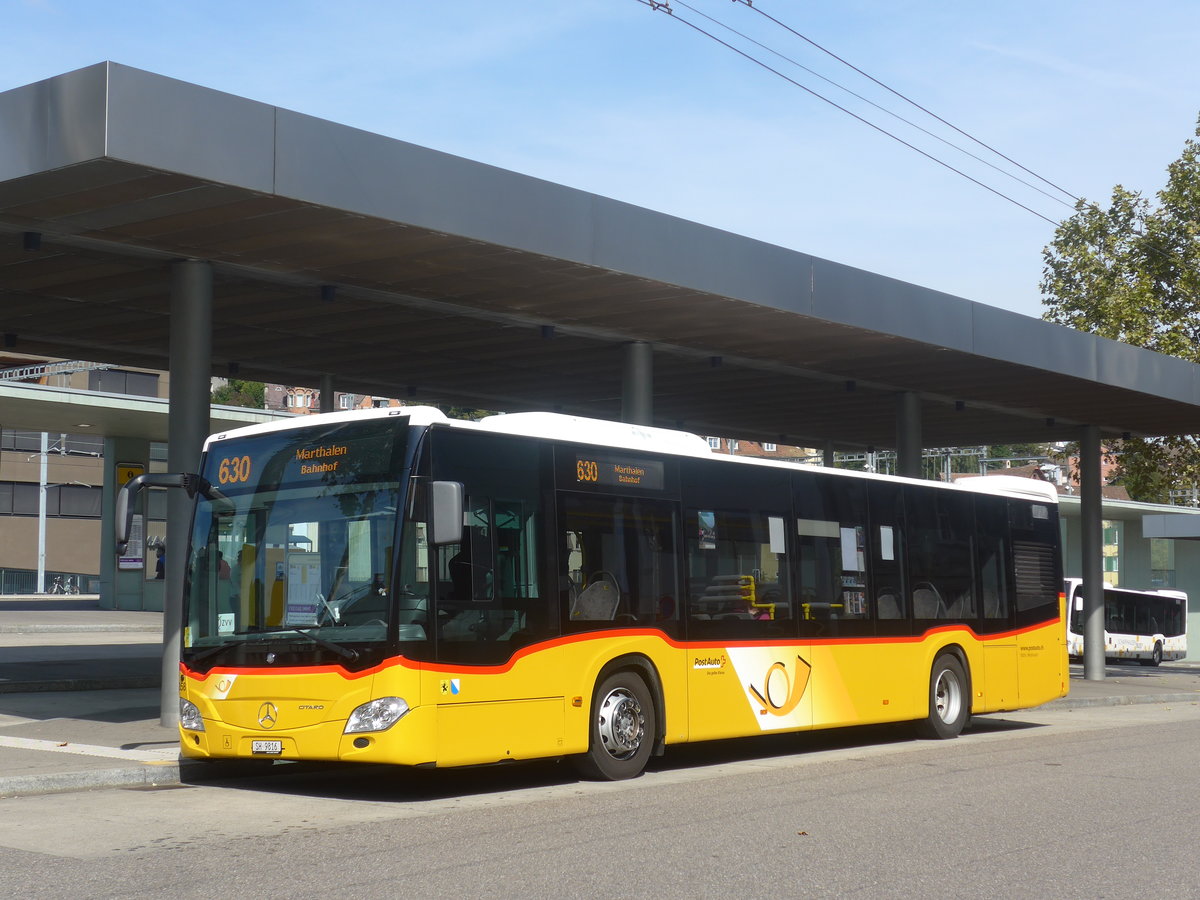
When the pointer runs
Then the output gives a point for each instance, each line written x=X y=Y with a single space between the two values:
x=1091 y=534
x=326 y=389
x=637 y=384
x=190 y=399
x=908 y=434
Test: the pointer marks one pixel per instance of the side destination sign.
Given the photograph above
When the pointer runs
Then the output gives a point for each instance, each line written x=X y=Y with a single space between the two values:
x=619 y=472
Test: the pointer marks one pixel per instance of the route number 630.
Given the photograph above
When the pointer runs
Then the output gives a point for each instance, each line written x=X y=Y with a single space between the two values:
x=234 y=470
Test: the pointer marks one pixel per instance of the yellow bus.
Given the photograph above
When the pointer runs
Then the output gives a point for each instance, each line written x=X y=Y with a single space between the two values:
x=390 y=586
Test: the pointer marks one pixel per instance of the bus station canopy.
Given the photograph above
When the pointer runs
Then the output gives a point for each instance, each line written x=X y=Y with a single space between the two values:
x=401 y=271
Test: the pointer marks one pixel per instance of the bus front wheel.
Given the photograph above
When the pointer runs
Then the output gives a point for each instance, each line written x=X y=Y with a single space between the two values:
x=949 y=700
x=622 y=729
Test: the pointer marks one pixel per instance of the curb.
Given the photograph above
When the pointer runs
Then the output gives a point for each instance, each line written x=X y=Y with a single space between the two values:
x=181 y=773
x=1127 y=700
x=145 y=775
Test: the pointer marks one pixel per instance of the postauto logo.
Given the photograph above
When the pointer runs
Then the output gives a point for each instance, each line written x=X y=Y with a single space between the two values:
x=774 y=686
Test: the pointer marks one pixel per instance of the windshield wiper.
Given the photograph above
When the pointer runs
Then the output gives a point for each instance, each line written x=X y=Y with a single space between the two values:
x=343 y=652
x=250 y=637
x=213 y=651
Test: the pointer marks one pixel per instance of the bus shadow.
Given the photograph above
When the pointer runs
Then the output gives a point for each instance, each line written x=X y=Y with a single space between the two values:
x=387 y=784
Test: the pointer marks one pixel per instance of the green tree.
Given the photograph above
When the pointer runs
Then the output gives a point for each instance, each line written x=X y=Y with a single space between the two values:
x=1131 y=273
x=464 y=412
x=236 y=392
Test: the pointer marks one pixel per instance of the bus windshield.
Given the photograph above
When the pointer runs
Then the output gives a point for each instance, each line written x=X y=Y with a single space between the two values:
x=291 y=562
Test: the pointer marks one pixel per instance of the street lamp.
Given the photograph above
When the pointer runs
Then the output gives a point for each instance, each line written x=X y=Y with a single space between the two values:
x=42 y=488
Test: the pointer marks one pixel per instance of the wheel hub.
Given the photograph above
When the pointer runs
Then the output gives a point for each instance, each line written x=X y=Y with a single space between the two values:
x=622 y=724
x=947 y=697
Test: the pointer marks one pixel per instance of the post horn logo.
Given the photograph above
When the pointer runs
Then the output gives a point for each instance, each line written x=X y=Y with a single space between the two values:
x=780 y=693
x=268 y=715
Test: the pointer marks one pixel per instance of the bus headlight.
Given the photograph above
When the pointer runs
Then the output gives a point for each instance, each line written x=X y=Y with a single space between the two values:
x=189 y=716
x=378 y=715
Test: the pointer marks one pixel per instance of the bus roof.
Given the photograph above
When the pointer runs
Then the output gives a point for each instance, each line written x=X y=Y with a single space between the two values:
x=598 y=431
x=1073 y=582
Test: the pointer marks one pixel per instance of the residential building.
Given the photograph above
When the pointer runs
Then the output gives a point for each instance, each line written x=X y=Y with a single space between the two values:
x=306 y=400
x=763 y=450
x=51 y=483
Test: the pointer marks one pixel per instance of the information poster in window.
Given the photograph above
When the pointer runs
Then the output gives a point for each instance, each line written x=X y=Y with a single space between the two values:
x=303 y=583
x=135 y=551
x=852 y=549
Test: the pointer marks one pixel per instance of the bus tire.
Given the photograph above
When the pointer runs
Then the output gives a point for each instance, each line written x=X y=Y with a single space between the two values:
x=1155 y=655
x=949 y=700
x=622 y=729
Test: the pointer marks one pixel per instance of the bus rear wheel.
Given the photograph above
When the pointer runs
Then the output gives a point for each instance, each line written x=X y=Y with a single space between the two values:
x=949 y=700
x=622 y=729
x=1155 y=655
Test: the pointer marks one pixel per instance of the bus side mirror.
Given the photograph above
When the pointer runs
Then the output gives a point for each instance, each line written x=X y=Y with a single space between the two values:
x=193 y=484
x=446 y=512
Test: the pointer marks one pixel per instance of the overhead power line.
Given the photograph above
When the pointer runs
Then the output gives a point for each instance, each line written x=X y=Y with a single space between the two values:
x=659 y=6
x=750 y=5
x=1079 y=203
x=885 y=110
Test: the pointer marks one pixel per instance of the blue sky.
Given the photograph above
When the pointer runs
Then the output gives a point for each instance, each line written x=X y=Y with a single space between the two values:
x=612 y=97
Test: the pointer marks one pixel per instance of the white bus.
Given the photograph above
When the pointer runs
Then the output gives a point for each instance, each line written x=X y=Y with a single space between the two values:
x=1148 y=626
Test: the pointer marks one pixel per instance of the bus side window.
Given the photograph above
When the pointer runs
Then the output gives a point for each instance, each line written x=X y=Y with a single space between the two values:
x=737 y=573
x=888 y=552
x=991 y=562
x=940 y=525
x=617 y=561
x=832 y=555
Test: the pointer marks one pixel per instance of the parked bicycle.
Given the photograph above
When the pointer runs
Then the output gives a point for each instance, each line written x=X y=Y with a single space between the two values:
x=58 y=586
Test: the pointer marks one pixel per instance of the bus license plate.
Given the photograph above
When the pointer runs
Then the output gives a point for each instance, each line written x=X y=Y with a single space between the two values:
x=266 y=748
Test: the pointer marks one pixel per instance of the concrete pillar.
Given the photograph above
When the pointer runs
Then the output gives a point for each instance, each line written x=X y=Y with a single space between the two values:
x=908 y=434
x=1091 y=535
x=637 y=384
x=827 y=457
x=326 y=393
x=190 y=399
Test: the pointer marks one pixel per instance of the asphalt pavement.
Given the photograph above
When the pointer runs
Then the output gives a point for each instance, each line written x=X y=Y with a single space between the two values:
x=80 y=698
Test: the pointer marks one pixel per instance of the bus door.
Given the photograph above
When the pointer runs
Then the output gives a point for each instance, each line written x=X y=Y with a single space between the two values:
x=747 y=672
x=619 y=577
x=999 y=676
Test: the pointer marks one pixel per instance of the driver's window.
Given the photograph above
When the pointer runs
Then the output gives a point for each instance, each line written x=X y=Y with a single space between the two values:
x=488 y=586
x=466 y=570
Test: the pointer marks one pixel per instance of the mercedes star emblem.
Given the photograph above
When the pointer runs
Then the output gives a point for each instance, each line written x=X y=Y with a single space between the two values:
x=268 y=714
